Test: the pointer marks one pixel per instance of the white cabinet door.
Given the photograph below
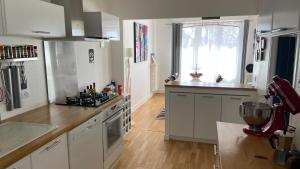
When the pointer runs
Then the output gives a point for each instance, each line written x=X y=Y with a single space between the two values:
x=181 y=114
x=24 y=163
x=286 y=14
x=207 y=113
x=33 y=18
x=230 y=108
x=110 y=26
x=52 y=155
x=85 y=145
x=264 y=20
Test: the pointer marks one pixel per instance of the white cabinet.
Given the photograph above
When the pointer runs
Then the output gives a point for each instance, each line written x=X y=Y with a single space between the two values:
x=101 y=24
x=85 y=145
x=207 y=113
x=286 y=14
x=24 y=163
x=230 y=108
x=182 y=114
x=192 y=115
x=52 y=155
x=32 y=18
x=264 y=20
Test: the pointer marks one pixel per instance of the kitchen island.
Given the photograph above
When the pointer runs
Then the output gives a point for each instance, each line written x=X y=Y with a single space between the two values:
x=193 y=108
x=65 y=118
x=236 y=150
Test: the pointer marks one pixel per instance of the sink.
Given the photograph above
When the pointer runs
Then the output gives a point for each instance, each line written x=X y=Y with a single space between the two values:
x=14 y=135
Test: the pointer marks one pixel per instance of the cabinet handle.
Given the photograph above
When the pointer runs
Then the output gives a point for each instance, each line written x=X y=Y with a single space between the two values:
x=215 y=150
x=208 y=97
x=181 y=95
x=52 y=145
x=41 y=32
x=235 y=98
x=214 y=167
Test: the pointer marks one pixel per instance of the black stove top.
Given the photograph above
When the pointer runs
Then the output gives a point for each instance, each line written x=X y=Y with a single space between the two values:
x=89 y=100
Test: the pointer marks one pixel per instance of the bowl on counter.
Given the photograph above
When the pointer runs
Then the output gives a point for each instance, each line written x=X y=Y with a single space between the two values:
x=255 y=114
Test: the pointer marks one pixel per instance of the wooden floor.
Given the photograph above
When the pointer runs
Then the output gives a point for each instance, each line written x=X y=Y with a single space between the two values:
x=145 y=147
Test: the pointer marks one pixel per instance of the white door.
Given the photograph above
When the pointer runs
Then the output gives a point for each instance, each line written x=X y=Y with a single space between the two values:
x=181 y=114
x=230 y=108
x=24 y=163
x=207 y=113
x=52 y=155
x=34 y=18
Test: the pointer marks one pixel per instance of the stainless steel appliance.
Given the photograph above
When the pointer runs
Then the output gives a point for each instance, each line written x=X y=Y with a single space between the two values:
x=281 y=142
x=255 y=114
x=82 y=25
x=112 y=134
x=289 y=102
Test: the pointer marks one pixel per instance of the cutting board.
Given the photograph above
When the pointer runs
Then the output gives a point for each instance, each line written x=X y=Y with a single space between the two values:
x=296 y=140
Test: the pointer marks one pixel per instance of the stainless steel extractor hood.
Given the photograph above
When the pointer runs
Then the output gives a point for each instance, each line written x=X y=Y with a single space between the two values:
x=95 y=25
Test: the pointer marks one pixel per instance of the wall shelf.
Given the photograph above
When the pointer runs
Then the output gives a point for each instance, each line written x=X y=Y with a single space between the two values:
x=18 y=60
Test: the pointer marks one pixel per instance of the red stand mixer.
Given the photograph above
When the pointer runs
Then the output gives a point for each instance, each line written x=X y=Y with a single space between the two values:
x=289 y=102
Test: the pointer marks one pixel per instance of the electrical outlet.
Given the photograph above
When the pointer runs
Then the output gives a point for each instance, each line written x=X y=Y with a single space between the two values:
x=25 y=94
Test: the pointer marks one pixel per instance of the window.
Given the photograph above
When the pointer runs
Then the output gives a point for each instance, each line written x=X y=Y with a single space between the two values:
x=213 y=50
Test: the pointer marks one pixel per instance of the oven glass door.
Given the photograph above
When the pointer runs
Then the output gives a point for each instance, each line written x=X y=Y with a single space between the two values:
x=113 y=132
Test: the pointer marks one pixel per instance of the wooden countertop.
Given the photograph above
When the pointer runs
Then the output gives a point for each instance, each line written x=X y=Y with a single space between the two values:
x=231 y=86
x=65 y=117
x=240 y=151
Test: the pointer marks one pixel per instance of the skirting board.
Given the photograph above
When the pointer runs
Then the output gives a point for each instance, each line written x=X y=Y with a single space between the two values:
x=190 y=139
x=162 y=91
x=140 y=103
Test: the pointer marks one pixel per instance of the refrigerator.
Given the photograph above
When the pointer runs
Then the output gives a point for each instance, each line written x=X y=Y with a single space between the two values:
x=72 y=65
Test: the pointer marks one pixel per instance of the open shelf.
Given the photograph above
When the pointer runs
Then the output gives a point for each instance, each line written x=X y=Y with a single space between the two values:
x=18 y=60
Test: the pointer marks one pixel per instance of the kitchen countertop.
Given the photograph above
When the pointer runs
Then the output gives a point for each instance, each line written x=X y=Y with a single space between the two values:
x=64 y=117
x=231 y=86
x=240 y=151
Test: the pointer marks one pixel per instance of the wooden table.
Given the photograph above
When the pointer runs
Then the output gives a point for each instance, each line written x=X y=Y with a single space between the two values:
x=240 y=151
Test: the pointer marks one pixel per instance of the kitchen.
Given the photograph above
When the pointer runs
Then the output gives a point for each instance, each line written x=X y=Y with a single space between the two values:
x=73 y=67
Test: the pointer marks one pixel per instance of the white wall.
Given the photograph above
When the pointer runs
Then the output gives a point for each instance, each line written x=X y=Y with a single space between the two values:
x=156 y=9
x=163 y=50
x=140 y=72
x=35 y=73
x=100 y=71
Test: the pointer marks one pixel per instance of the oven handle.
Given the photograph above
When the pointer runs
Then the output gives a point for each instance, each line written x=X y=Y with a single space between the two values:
x=114 y=118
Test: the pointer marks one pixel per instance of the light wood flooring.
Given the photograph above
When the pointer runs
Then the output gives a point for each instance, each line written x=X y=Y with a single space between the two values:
x=145 y=147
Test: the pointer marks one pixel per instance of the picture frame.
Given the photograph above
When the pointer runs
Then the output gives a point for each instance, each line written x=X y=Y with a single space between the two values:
x=140 y=42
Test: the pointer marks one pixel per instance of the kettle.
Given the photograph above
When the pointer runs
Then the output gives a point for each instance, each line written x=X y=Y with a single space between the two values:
x=281 y=142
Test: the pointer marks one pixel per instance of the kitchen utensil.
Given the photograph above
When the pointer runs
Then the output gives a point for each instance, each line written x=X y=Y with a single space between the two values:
x=281 y=142
x=255 y=114
x=260 y=124
x=296 y=141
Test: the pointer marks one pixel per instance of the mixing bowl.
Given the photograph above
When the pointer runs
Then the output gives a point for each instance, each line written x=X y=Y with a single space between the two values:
x=255 y=114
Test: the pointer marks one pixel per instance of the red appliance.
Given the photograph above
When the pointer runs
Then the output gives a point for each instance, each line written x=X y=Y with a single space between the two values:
x=289 y=102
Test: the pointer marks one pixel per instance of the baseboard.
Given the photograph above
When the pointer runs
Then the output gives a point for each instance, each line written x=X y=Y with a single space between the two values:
x=160 y=91
x=140 y=103
x=196 y=140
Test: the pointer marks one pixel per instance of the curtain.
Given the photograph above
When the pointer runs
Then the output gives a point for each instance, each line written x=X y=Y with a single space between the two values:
x=176 y=47
x=212 y=50
x=244 y=53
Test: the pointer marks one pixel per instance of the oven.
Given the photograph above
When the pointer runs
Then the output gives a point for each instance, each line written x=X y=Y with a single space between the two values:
x=112 y=134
